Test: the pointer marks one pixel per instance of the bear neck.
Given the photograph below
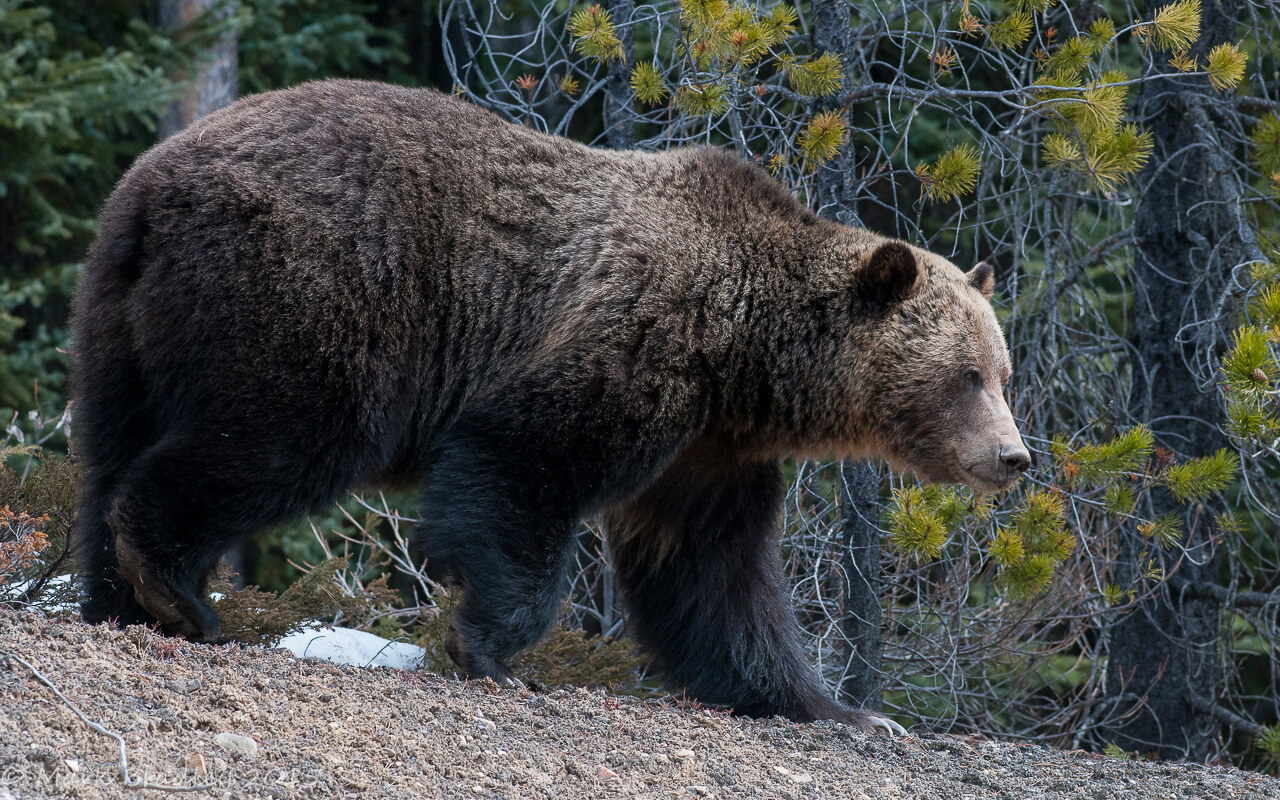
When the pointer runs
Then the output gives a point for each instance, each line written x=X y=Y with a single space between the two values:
x=797 y=342
x=765 y=284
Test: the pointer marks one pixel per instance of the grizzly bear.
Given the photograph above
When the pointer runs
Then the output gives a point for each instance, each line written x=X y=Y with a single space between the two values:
x=349 y=283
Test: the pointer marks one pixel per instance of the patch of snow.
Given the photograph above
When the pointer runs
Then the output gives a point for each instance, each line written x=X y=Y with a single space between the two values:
x=55 y=585
x=349 y=646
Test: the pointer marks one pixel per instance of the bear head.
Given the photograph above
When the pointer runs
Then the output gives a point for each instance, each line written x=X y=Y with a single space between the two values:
x=930 y=370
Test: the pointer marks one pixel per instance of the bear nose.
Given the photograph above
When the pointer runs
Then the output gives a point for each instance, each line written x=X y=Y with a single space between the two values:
x=1015 y=457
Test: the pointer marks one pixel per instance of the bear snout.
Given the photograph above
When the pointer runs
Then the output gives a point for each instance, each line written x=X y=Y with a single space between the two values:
x=1014 y=459
x=994 y=467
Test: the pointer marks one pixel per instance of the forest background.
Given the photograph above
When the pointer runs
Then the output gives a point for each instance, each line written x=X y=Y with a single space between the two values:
x=1120 y=163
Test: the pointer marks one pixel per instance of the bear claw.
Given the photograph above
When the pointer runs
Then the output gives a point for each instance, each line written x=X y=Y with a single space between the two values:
x=887 y=725
x=870 y=722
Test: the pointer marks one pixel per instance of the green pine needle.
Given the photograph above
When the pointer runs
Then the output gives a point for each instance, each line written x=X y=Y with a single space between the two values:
x=1225 y=66
x=954 y=173
x=744 y=38
x=1248 y=421
x=1027 y=578
x=1248 y=364
x=1069 y=60
x=739 y=17
x=1120 y=498
x=595 y=35
x=1115 y=595
x=1265 y=272
x=1269 y=742
x=1041 y=524
x=951 y=505
x=1195 y=480
x=1101 y=110
x=822 y=138
x=1266 y=145
x=1114 y=157
x=1092 y=464
x=1176 y=26
x=648 y=85
x=1038 y=6
x=1010 y=32
x=1113 y=750
x=915 y=529
x=702 y=99
x=1006 y=548
x=702 y=13
x=718 y=33
x=1101 y=32
x=1061 y=150
x=1166 y=530
x=1090 y=139
x=778 y=25
x=1230 y=522
x=570 y=85
x=818 y=77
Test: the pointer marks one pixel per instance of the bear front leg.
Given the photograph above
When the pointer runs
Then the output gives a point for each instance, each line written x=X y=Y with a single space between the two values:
x=697 y=555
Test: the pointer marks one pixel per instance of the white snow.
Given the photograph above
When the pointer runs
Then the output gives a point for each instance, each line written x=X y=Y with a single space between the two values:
x=338 y=645
x=349 y=646
x=56 y=584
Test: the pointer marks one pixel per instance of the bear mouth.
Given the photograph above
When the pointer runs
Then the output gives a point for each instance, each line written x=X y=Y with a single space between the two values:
x=978 y=480
x=954 y=471
x=985 y=484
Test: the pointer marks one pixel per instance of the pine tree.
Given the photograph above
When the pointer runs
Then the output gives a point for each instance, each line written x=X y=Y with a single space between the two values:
x=71 y=111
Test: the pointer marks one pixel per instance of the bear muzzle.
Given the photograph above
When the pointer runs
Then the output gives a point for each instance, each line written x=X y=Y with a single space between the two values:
x=1006 y=465
x=1014 y=458
x=989 y=468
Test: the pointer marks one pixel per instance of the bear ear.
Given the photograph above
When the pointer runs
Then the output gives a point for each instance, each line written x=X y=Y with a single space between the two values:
x=983 y=278
x=890 y=274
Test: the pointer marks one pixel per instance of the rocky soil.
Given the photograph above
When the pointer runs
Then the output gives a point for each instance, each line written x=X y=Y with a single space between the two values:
x=252 y=723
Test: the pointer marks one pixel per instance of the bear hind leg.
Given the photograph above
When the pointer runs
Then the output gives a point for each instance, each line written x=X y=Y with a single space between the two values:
x=511 y=572
x=185 y=501
x=106 y=595
x=114 y=427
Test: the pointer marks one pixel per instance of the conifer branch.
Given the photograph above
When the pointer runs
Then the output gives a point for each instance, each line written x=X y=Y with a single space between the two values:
x=1226 y=716
x=1227 y=596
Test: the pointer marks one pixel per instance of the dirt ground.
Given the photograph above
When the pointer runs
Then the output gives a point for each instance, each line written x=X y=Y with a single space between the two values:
x=254 y=723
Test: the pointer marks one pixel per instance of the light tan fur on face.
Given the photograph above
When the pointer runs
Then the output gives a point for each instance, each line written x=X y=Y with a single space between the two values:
x=914 y=401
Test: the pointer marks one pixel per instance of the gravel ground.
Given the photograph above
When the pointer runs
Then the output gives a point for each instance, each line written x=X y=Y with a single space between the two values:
x=253 y=723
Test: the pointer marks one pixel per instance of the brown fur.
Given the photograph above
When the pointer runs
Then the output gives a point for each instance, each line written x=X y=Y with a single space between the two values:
x=350 y=282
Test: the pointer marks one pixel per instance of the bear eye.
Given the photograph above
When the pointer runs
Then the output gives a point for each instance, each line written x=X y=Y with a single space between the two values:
x=974 y=377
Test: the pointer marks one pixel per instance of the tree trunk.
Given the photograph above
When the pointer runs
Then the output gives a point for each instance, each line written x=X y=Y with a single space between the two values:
x=619 y=122
x=859 y=485
x=833 y=32
x=214 y=81
x=862 y=620
x=1164 y=660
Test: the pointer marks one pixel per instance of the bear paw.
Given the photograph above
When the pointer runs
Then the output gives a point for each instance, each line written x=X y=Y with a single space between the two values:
x=870 y=722
x=178 y=615
x=476 y=666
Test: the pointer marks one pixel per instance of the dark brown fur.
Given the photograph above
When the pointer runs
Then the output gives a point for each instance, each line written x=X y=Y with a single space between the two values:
x=347 y=282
